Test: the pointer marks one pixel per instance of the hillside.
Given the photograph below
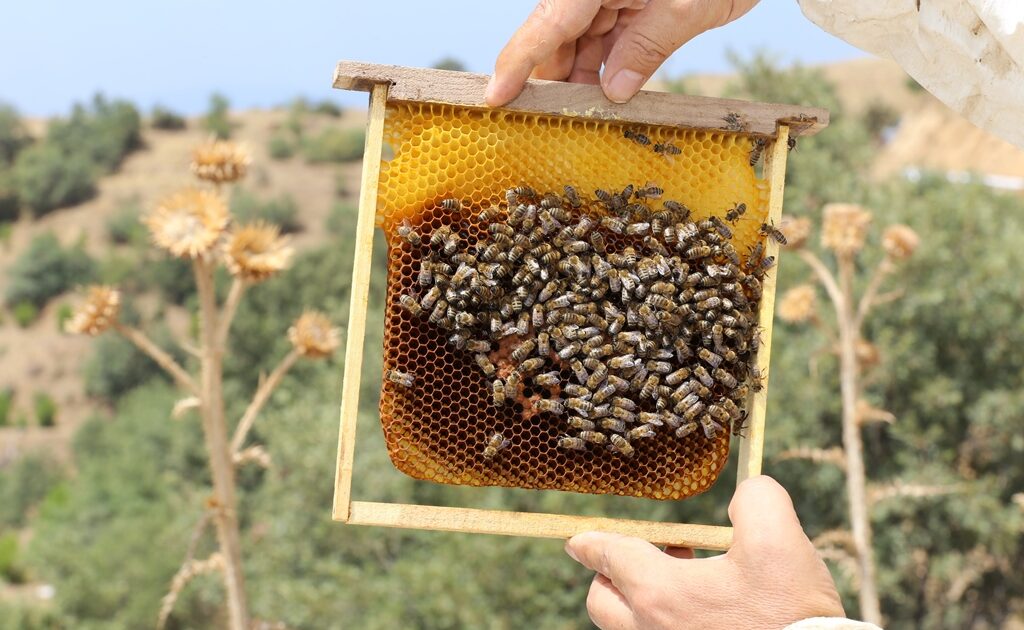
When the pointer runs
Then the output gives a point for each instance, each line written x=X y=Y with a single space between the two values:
x=40 y=358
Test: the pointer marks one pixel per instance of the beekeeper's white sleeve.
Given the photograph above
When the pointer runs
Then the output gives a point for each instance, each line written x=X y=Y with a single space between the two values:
x=968 y=53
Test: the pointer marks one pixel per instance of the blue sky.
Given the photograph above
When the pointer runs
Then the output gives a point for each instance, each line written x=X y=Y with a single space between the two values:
x=259 y=53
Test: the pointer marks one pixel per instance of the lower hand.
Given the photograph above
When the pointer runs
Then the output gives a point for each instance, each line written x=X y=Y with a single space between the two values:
x=770 y=577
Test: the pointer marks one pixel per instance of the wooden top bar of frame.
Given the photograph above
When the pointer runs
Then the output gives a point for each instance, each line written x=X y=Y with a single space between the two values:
x=586 y=101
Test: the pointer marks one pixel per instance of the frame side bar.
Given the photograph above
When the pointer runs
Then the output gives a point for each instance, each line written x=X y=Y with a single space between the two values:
x=752 y=447
x=359 y=302
x=584 y=101
x=561 y=526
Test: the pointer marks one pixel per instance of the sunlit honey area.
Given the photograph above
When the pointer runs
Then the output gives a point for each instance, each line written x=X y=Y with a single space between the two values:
x=438 y=429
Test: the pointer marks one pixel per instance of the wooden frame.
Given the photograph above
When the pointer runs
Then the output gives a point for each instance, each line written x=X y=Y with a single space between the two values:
x=776 y=122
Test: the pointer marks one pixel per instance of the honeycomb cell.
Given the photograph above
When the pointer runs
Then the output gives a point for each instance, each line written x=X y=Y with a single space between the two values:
x=437 y=429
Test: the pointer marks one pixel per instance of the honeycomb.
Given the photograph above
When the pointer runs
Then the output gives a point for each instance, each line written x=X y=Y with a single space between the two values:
x=438 y=429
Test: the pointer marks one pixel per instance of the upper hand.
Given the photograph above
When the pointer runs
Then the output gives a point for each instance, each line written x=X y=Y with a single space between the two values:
x=770 y=577
x=569 y=40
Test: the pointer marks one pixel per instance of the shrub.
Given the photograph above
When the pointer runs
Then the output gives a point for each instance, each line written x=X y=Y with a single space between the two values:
x=47 y=178
x=10 y=205
x=163 y=118
x=23 y=484
x=10 y=569
x=171 y=276
x=6 y=401
x=342 y=218
x=124 y=226
x=335 y=145
x=13 y=136
x=217 y=121
x=328 y=108
x=46 y=269
x=117 y=366
x=24 y=313
x=282 y=211
x=280 y=148
x=103 y=133
x=64 y=313
x=449 y=63
x=46 y=409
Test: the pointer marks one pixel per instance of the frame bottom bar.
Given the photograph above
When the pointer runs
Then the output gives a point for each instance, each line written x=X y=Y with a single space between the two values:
x=563 y=526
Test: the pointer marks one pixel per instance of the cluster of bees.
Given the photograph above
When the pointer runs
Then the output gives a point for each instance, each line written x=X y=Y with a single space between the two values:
x=632 y=320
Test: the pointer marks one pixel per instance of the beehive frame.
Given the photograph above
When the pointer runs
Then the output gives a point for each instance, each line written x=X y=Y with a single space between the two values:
x=775 y=123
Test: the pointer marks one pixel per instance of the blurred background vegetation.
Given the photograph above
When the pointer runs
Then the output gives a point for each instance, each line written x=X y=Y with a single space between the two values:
x=99 y=489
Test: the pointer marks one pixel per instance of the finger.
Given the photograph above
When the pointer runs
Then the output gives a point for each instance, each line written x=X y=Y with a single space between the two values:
x=559 y=65
x=552 y=23
x=607 y=607
x=589 y=57
x=764 y=520
x=627 y=562
x=683 y=553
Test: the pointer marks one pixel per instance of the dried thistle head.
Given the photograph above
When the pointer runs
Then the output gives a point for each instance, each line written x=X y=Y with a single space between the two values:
x=900 y=242
x=798 y=304
x=190 y=223
x=313 y=336
x=845 y=227
x=257 y=251
x=220 y=161
x=98 y=313
x=796 y=230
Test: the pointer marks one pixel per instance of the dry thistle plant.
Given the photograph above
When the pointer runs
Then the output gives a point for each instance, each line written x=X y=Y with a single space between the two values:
x=844 y=232
x=195 y=225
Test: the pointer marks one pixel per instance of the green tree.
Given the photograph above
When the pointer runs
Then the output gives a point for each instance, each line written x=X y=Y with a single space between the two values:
x=13 y=135
x=47 y=178
x=449 y=63
x=217 y=120
x=46 y=269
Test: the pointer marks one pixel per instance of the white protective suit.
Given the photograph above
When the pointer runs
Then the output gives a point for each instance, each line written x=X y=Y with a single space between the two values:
x=968 y=53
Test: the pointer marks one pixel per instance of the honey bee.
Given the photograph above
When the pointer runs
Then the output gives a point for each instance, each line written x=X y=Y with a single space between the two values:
x=636 y=137
x=579 y=372
x=495 y=444
x=613 y=224
x=711 y=428
x=612 y=424
x=410 y=304
x=439 y=313
x=766 y=263
x=465 y=318
x=642 y=431
x=552 y=405
x=548 y=379
x=477 y=345
x=650 y=387
x=709 y=304
x=721 y=227
x=489 y=213
x=598 y=376
x=757 y=148
x=671 y=419
x=581 y=406
x=791 y=143
x=570 y=351
x=530 y=366
x=718 y=413
x=768 y=229
x=512 y=383
x=451 y=204
x=485 y=364
x=691 y=412
x=709 y=357
x=650 y=191
x=637 y=229
x=757 y=379
x=573 y=443
x=666 y=148
x=677 y=208
x=458 y=340
x=403 y=379
x=698 y=251
x=621 y=445
x=659 y=367
x=515 y=195
x=498 y=392
x=686 y=429
x=572 y=196
x=733 y=122
x=410 y=235
x=597 y=242
x=650 y=419
x=606 y=391
x=594 y=437
x=702 y=374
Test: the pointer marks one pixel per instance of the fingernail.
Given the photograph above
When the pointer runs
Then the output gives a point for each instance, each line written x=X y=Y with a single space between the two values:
x=569 y=552
x=623 y=86
x=489 y=92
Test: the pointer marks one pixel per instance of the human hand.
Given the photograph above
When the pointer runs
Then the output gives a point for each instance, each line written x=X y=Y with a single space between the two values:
x=770 y=577
x=569 y=40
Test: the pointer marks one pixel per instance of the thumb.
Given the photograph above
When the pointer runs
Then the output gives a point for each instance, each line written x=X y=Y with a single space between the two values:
x=765 y=523
x=643 y=40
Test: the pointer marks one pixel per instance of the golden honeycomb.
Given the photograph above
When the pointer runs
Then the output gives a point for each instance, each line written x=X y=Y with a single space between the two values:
x=437 y=429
